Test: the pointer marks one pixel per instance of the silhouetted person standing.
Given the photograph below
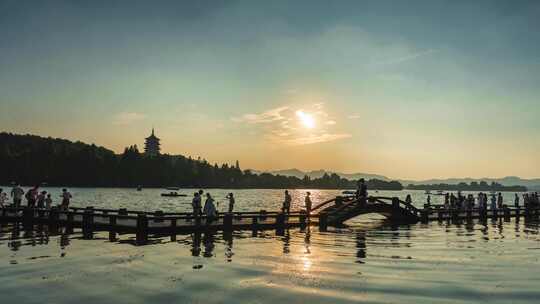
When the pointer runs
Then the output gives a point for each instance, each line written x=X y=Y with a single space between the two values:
x=31 y=197
x=287 y=202
x=196 y=204
x=516 y=201
x=66 y=198
x=48 y=202
x=361 y=192
x=231 y=202
x=209 y=209
x=41 y=199
x=308 y=203
x=17 y=193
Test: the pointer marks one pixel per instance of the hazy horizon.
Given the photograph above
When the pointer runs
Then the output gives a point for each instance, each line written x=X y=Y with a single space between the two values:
x=409 y=90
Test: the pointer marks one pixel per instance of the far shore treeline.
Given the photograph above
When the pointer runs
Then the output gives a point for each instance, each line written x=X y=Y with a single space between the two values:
x=473 y=186
x=33 y=160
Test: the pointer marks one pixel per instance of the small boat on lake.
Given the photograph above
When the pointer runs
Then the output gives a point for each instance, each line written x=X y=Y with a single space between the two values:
x=440 y=192
x=173 y=194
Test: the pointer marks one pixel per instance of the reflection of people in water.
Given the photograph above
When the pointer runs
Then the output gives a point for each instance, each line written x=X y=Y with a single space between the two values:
x=307 y=240
x=196 y=246
x=286 y=242
x=361 y=247
x=209 y=246
x=228 y=238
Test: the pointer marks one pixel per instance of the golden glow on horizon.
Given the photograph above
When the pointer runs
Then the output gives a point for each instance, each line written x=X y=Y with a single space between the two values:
x=306 y=119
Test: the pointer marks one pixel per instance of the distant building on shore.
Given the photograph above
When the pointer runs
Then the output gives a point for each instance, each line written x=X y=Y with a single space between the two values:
x=151 y=145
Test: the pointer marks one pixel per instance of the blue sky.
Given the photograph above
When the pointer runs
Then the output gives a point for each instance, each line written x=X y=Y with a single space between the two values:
x=410 y=89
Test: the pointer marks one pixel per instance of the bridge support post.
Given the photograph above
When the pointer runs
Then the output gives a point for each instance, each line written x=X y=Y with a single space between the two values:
x=424 y=215
x=69 y=223
x=53 y=220
x=395 y=208
x=506 y=211
x=302 y=219
x=280 y=223
x=254 y=224
x=323 y=221
x=482 y=213
x=227 y=221
x=173 y=230
x=88 y=223
x=142 y=229
x=112 y=228
x=28 y=217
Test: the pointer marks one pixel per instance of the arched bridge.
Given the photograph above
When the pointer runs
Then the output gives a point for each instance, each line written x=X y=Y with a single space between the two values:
x=348 y=207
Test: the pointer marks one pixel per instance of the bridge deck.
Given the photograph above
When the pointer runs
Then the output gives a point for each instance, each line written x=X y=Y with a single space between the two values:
x=142 y=224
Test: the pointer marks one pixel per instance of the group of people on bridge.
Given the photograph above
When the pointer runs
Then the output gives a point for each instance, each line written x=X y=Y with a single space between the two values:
x=482 y=201
x=209 y=210
x=34 y=198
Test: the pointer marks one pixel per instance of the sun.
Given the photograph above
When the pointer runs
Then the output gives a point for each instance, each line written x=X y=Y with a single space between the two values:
x=306 y=119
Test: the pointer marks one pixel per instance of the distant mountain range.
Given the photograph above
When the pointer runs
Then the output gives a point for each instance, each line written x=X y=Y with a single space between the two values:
x=531 y=184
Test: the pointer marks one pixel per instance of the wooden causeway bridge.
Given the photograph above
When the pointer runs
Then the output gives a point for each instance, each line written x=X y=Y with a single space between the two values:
x=333 y=212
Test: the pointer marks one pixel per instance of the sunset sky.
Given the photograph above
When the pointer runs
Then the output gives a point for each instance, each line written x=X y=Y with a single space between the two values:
x=408 y=89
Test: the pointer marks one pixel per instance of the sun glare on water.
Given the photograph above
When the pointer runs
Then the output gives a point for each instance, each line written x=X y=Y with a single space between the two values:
x=306 y=119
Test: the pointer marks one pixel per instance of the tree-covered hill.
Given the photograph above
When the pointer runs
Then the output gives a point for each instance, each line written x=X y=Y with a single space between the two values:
x=30 y=159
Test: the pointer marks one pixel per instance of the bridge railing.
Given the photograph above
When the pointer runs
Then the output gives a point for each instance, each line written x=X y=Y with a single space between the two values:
x=407 y=206
x=319 y=206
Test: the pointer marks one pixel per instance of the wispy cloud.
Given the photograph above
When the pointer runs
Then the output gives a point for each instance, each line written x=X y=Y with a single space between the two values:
x=290 y=125
x=313 y=139
x=127 y=118
x=264 y=117
x=406 y=57
x=353 y=116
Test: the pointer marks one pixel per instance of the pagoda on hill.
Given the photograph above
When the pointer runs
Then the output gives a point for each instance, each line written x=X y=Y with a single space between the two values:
x=151 y=145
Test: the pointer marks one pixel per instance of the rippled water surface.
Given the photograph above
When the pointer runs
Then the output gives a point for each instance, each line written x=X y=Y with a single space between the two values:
x=370 y=261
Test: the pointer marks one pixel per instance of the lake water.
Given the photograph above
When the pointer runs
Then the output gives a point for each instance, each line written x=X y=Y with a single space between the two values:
x=370 y=261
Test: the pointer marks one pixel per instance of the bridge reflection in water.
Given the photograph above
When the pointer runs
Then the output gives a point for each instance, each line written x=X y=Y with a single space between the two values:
x=203 y=244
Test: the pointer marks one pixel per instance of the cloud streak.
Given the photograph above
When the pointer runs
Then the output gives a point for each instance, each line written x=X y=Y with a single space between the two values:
x=269 y=116
x=313 y=139
x=407 y=57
